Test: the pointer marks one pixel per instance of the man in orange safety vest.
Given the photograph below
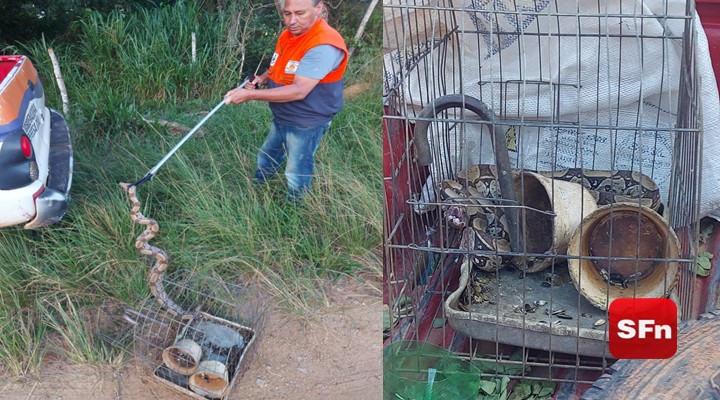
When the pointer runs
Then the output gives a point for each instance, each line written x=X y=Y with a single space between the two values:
x=304 y=92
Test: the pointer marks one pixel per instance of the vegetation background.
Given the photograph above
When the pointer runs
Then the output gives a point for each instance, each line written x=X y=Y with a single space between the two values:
x=127 y=64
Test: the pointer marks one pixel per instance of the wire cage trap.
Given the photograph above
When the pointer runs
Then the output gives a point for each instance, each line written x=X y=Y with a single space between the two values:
x=541 y=158
x=202 y=353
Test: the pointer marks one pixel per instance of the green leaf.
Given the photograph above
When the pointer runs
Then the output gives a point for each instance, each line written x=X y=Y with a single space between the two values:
x=499 y=391
x=705 y=254
x=545 y=394
x=535 y=387
x=515 y=396
x=520 y=391
x=504 y=381
x=403 y=300
x=403 y=306
x=706 y=231
x=703 y=266
x=704 y=263
x=702 y=272
x=548 y=388
x=488 y=386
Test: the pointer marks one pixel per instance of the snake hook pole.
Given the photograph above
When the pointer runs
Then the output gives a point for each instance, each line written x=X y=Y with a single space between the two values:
x=154 y=169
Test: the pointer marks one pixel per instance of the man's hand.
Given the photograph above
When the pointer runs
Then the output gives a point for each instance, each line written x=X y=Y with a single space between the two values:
x=256 y=81
x=238 y=95
x=300 y=88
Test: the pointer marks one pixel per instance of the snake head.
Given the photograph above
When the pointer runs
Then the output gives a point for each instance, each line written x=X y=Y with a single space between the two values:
x=488 y=262
x=456 y=217
x=612 y=185
x=128 y=188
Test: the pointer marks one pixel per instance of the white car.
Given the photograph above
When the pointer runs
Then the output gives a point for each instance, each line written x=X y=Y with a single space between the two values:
x=36 y=159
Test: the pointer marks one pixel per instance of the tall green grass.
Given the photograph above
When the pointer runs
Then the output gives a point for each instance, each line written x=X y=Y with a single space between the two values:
x=124 y=67
x=125 y=62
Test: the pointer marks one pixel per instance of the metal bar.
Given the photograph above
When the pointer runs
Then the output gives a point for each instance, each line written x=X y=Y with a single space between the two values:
x=157 y=166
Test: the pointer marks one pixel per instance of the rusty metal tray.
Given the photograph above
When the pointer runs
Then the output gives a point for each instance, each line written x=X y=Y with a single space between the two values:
x=500 y=320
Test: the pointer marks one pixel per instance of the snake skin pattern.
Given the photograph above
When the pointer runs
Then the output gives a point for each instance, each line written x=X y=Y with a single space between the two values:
x=613 y=186
x=472 y=201
x=475 y=195
x=155 y=278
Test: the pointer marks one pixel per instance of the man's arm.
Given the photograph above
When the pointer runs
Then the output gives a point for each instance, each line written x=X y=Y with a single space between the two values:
x=297 y=90
x=314 y=65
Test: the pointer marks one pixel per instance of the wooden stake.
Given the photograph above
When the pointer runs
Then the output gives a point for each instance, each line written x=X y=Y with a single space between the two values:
x=363 y=23
x=60 y=82
x=193 y=48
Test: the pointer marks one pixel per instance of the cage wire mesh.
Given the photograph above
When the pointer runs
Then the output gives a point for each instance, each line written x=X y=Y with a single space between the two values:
x=203 y=353
x=541 y=158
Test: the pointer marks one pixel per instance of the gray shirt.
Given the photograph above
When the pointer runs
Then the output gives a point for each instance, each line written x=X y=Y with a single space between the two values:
x=319 y=61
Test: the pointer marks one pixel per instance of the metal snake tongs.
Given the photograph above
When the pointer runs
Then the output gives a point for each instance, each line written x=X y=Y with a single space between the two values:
x=141 y=243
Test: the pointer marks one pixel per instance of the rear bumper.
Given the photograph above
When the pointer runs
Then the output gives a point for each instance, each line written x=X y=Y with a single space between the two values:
x=52 y=204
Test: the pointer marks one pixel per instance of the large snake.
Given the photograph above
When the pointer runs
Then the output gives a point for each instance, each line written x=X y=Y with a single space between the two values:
x=471 y=204
x=613 y=186
x=472 y=200
x=155 y=278
x=474 y=197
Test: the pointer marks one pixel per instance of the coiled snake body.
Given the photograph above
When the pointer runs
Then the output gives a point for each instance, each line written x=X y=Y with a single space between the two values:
x=155 y=277
x=473 y=205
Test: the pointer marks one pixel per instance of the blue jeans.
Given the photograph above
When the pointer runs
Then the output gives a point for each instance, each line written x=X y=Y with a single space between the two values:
x=298 y=146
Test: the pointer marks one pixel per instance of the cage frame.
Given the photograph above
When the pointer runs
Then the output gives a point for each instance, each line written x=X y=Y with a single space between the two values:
x=420 y=269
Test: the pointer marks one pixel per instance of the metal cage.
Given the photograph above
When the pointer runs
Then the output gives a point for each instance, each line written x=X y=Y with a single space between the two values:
x=202 y=354
x=504 y=120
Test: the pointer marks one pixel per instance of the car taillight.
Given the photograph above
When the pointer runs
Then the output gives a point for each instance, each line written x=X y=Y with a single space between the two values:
x=25 y=146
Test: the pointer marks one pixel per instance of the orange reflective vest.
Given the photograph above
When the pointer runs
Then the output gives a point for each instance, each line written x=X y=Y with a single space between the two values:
x=325 y=100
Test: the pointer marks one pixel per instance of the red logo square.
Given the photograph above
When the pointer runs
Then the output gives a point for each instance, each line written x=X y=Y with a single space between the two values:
x=643 y=328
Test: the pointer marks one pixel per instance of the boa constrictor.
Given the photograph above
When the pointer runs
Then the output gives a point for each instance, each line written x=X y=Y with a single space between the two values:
x=155 y=278
x=473 y=198
x=613 y=186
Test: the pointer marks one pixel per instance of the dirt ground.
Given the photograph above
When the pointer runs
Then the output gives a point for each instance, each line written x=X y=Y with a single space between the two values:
x=336 y=356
